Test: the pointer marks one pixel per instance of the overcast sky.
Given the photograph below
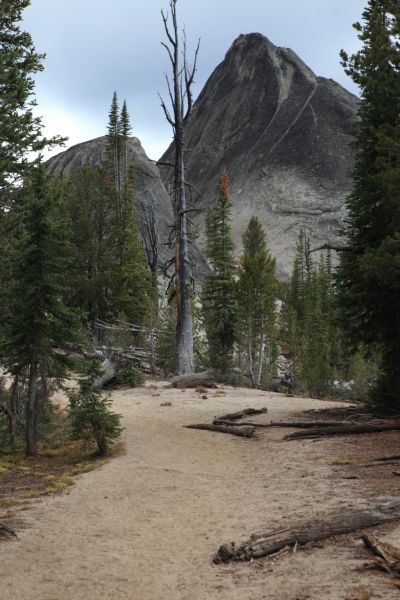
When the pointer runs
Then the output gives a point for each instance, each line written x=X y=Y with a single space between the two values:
x=94 y=47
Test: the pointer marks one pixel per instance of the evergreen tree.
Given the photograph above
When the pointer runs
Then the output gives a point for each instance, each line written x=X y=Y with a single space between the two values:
x=369 y=272
x=218 y=294
x=113 y=148
x=89 y=203
x=38 y=324
x=256 y=289
x=309 y=319
x=20 y=130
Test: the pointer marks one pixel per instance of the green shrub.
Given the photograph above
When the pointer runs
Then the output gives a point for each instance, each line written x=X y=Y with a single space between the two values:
x=129 y=376
x=90 y=416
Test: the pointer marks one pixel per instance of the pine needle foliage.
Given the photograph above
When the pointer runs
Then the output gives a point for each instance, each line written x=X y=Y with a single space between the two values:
x=21 y=132
x=256 y=295
x=369 y=274
x=218 y=297
x=38 y=324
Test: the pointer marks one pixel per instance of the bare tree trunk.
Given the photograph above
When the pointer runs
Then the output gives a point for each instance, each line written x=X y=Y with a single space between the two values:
x=31 y=433
x=180 y=93
x=250 y=350
x=261 y=360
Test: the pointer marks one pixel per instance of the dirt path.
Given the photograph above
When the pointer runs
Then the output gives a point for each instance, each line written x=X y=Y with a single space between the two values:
x=145 y=526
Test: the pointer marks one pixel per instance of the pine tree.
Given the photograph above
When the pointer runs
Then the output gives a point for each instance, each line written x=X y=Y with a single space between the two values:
x=256 y=291
x=113 y=150
x=218 y=294
x=369 y=272
x=89 y=203
x=38 y=324
x=125 y=131
x=309 y=317
x=20 y=130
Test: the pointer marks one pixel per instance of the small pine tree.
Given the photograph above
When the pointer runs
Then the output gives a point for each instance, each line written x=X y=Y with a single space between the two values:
x=309 y=315
x=256 y=292
x=218 y=294
x=38 y=324
x=90 y=416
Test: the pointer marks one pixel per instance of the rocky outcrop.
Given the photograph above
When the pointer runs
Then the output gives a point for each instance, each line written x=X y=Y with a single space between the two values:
x=149 y=187
x=283 y=135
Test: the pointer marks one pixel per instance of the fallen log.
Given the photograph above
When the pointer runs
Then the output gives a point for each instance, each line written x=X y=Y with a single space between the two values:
x=272 y=541
x=109 y=371
x=240 y=431
x=388 y=556
x=6 y=531
x=246 y=412
x=351 y=429
x=289 y=424
x=380 y=462
x=192 y=380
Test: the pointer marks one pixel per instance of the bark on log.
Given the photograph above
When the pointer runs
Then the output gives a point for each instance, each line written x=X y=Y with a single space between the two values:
x=246 y=412
x=192 y=380
x=387 y=556
x=273 y=541
x=6 y=531
x=109 y=372
x=290 y=424
x=240 y=431
x=380 y=462
x=350 y=429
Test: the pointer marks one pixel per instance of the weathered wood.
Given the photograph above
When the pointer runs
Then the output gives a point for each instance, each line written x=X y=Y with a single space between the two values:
x=6 y=531
x=387 y=556
x=192 y=380
x=380 y=462
x=290 y=424
x=109 y=371
x=339 y=524
x=240 y=431
x=246 y=412
x=350 y=429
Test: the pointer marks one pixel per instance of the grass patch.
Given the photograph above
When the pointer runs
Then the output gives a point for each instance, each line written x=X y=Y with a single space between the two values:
x=58 y=462
x=339 y=462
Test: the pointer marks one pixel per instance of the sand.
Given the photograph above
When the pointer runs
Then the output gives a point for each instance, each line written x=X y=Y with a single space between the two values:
x=145 y=525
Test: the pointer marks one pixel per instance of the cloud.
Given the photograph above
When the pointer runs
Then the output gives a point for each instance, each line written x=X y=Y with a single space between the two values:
x=97 y=46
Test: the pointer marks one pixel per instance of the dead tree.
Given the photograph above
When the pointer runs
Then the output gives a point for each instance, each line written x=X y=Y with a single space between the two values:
x=181 y=98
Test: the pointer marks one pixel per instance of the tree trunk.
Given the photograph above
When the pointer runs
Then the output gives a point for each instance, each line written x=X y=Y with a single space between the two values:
x=31 y=433
x=348 y=429
x=246 y=412
x=239 y=431
x=261 y=360
x=250 y=350
x=193 y=380
x=273 y=541
x=109 y=372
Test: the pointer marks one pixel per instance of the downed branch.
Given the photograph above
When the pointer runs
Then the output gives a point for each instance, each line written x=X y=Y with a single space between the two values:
x=289 y=424
x=246 y=412
x=192 y=380
x=381 y=462
x=350 y=429
x=388 y=556
x=273 y=541
x=240 y=431
x=6 y=531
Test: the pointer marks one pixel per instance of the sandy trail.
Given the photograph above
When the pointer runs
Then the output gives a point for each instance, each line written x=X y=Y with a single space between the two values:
x=145 y=526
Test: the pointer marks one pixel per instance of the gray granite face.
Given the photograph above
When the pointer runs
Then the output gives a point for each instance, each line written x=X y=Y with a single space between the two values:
x=283 y=134
x=149 y=188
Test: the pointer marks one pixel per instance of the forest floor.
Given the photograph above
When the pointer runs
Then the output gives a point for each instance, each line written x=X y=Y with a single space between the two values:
x=145 y=525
